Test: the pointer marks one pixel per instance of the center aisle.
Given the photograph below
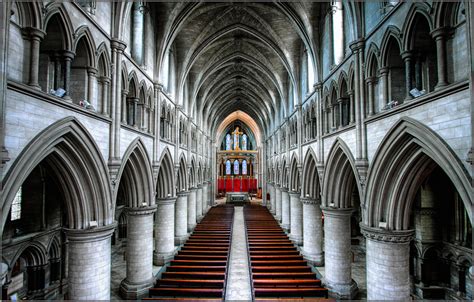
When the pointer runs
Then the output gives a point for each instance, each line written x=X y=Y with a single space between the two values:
x=238 y=279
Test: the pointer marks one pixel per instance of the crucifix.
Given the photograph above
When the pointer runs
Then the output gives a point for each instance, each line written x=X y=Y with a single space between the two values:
x=236 y=135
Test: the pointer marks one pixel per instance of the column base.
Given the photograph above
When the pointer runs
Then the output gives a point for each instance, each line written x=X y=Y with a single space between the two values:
x=296 y=239
x=134 y=291
x=285 y=227
x=278 y=218
x=179 y=240
x=162 y=259
x=191 y=228
x=199 y=218
x=342 y=291
x=314 y=259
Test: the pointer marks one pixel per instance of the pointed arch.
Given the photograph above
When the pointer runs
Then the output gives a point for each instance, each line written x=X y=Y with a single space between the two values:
x=103 y=59
x=136 y=169
x=192 y=173
x=71 y=151
x=165 y=187
x=182 y=180
x=372 y=60
x=311 y=185
x=83 y=32
x=401 y=162
x=417 y=10
x=392 y=34
x=56 y=9
x=34 y=253
x=295 y=183
x=340 y=176
x=54 y=248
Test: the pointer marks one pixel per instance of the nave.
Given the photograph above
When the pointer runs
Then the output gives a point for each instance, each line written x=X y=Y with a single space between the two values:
x=203 y=269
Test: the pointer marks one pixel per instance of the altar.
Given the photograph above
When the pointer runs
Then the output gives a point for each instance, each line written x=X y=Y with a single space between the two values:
x=237 y=198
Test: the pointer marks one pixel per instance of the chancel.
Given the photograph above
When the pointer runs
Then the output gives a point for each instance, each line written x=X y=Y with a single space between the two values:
x=236 y=150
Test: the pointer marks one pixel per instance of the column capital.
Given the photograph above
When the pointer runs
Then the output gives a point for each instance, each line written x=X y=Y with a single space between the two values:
x=310 y=200
x=92 y=70
x=183 y=193
x=392 y=236
x=68 y=55
x=165 y=201
x=337 y=212
x=91 y=234
x=294 y=193
x=441 y=32
x=357 y=45
x=370 y=80
x=33 y=33
x=383 y=70
x=118 y=45
x=406 y=55
x=146 y=210
x=318 y=86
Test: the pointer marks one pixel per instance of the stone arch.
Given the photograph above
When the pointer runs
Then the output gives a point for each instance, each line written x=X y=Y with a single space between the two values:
x=29 y=14
x=54 y=247
x=34 y=253
x=192 y=173
x=83 y=32
x=392 y=33
x=295 y=182
x=165 y=187
x=340 y=176
x=182 y=177
x=372 y=59
x=407 y=152
x=57 y=10
x=311 y=185
x=417 y=10
x=445 y=13
x=75 y=158
x=283 y=175
x=137 y=171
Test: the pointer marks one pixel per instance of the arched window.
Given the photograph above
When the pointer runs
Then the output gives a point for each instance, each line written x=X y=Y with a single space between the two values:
x=236 y=167
x=227 y=167
x=137 y=30
x=228 y=142
x=16 y=206
x=244 y=167
x=337 y=32
x=244 y=142
x=310 y=69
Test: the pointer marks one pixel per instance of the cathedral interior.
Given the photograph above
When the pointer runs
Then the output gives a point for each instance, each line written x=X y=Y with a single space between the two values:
x=236 y=150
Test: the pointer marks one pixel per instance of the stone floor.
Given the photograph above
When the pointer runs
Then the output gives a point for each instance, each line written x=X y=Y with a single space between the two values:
x=238 y=279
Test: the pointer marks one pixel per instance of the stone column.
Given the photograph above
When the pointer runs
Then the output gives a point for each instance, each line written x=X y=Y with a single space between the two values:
x=68 y=57
x=407 y=58
x=181 y=218
x=285 y=210
x=91 y=79
x=388 y=269
x=191 y=209
x=139 y=253
x=276 y=199
x=370 y=89
x=198 y=194
x=278 y=203
x=440 y=35
x=35 y=36
x=105 y=95
x=312 y=231
x=337 y=245
x=296 y=218
x=88 y=255
x=164 y=231
x=351 y=107
x=124 y=106
x=384 y=78
x=205 y=200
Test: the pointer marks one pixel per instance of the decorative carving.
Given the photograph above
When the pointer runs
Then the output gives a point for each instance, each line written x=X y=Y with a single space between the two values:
x=399 y=236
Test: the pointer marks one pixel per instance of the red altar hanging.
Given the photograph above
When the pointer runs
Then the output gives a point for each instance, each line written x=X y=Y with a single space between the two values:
x=237 y=184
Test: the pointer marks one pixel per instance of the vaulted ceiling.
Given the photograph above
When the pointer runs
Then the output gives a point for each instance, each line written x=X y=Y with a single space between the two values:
x=237 y=56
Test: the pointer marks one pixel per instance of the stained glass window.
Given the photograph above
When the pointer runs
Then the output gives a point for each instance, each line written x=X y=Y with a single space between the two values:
x=227 y=167
x=244 y=167
x=228 y=142
x=236 y=167
x=244 y=142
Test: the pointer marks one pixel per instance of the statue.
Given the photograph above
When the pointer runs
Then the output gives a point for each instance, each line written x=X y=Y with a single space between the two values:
x=236 y=134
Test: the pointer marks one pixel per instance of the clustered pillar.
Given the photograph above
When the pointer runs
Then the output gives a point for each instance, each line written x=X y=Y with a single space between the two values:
x=139 y=253
x=312 y=231
x=285 y=209
x=191 y=209
x=337 y=245
x=278 y=204
x=164 y=231
x=198 y=198
x=388 y=267
x=296 y=218
x=181 y=218
x=89 y=261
